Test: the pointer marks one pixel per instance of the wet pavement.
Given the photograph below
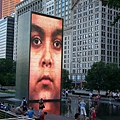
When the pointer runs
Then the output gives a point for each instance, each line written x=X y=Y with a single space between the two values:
x=108 y=108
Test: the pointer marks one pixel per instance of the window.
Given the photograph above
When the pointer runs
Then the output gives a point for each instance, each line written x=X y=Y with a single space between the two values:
x=80 y=15
x=96 y=39
x=96 y=46
x=97 y=4
x=96 y=58
x=97 y=21
x=90 y=6
x=90 y=29
x=90 y=23
x=103 y=15
x=80 y=10
x=85 y=8
x=96 y=9
x=97 y=27
x=90 y=11
x=85 y=13
x=97 y=15
x=96 y=52
x=96 y=33
x=75 y=11
x=91 y=17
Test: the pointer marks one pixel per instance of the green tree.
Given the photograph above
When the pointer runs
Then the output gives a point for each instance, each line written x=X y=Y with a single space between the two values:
x=66 y=82
x=7 y=72
x=113 y=77
x=103 y=76
x=113 y=4
x=96 y=75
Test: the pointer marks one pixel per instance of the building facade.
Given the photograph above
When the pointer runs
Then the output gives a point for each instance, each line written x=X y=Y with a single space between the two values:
x=63 y=8
x=48 y=7
x=6 y=37
x=7 y=7
x=88 y=34
x=93 y=37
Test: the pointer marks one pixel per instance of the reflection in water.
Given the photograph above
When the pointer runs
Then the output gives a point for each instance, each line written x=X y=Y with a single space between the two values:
x=105 y=111
x=68 y=110
x=50 y=107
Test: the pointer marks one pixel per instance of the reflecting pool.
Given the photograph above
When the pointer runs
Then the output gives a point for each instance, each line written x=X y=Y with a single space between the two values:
x=105 y=111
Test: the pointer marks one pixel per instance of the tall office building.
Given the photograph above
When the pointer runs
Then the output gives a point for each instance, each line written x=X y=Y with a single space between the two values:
x=88 y=34
x=63 y=8
x=7 y=7
x=93 y=37
x=6 y=37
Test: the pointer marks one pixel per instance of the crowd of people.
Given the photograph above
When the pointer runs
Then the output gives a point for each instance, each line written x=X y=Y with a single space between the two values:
x=81 y=114
x=24 y=110
x=92 y=102
x=113 y=94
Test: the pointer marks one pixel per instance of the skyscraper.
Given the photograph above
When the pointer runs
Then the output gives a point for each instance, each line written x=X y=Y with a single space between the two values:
x=6 y=37
x=7 y=7
x=93 y=37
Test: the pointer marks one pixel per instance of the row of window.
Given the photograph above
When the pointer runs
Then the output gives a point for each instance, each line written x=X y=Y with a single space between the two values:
x=90 y=9
x=109 y=59
x=50 y=8
x=85 y=30
x=87 y=2
x=85 y=24
x=34 y=6
x=62 y=4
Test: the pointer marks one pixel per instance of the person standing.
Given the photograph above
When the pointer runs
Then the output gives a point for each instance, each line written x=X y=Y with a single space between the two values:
x=69 y=103
x=24 y=104
x=93 y=114
x=66 y=92
x=79 y=99
x=41 y=106
x=82 y=108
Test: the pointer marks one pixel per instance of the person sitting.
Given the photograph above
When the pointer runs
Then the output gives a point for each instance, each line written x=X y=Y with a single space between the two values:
x=13 y=109
x=19 y=110
x=42 y=117
x=8 y=108
x=2 y=106
x=31 y=113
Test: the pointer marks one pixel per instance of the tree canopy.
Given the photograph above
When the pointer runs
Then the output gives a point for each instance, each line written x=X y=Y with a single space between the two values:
x=66 y=82
x=103 y=76
x=7 y=72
